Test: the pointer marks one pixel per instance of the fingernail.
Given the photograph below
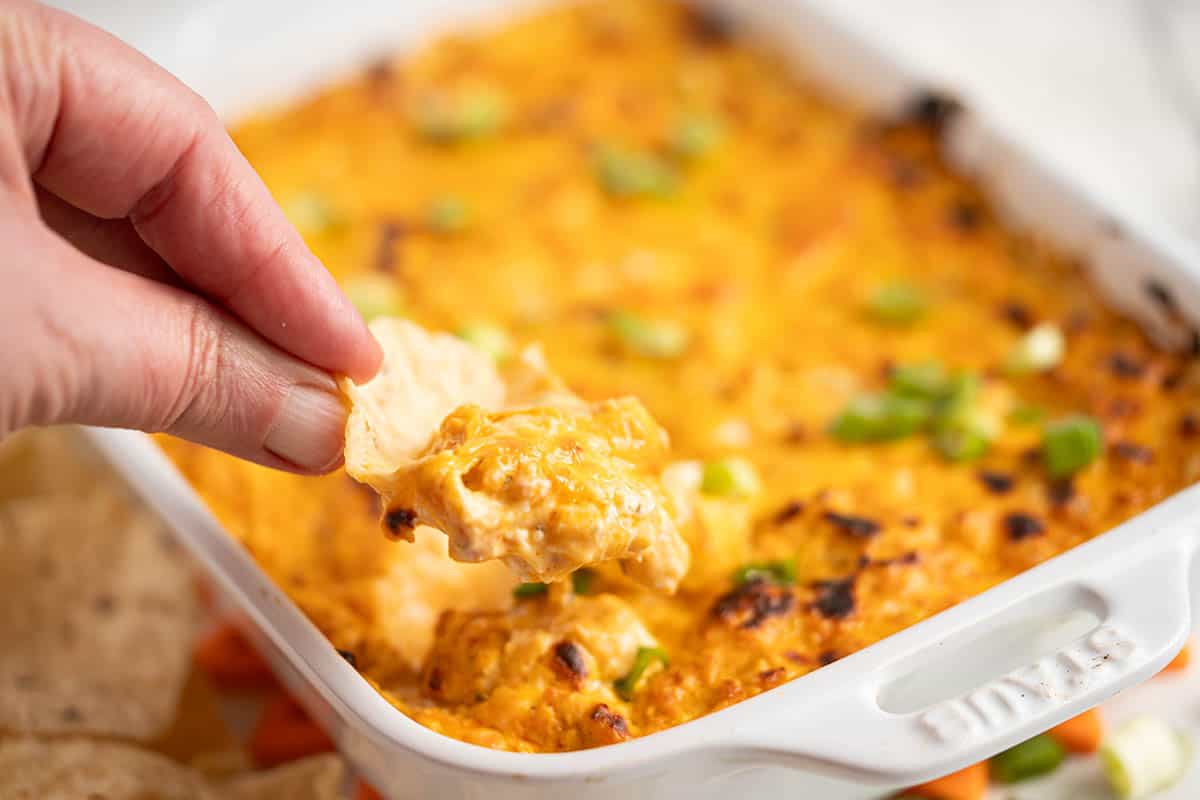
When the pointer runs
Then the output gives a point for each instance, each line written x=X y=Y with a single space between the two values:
x=308 y=430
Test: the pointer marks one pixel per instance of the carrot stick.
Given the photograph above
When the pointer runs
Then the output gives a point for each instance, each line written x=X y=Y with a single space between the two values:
x=1080 y=734
x=966 y=784
x=364 y=792
x=1181 y=660
x=286 y=733
x=205 y=595
x=230 y=662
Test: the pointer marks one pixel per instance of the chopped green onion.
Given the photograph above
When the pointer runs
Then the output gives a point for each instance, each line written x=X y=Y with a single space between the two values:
x=627 y=173
x=696 y=136
x=530 y=589
x=782 y=572
x=917 y=395
x=650 y=338
x=641 y=662
x=1040 y=349
x=482 y=112
x=374 y=296
x=927 y=380
x=311 y=213
x=965 y=436
x=963 y=431
x=447 y=215
x=1144 y=756
x=457 y=116
x=581 y=580
x=1070 y=444
x=880 y=417
x=898 y=303
x=491 y=339
x=1029 y=759
x=731 y=477
x=1027 y=415
x=960 y=395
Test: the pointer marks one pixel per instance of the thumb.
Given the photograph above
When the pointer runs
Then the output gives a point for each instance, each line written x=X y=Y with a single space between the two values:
x=106 y=347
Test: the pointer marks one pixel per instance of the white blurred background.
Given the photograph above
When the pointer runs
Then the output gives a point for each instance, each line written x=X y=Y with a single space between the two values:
x=1110 y=87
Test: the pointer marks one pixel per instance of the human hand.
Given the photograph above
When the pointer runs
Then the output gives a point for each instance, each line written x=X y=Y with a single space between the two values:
x=148 y=280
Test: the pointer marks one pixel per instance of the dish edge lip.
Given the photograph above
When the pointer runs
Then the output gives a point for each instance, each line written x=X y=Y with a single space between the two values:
x=349 y=700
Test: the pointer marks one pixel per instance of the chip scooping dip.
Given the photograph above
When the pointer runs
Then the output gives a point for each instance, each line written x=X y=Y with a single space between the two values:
x=509 y=463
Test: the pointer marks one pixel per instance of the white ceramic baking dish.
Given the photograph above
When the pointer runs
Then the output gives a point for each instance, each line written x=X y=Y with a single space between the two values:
x=950 y=691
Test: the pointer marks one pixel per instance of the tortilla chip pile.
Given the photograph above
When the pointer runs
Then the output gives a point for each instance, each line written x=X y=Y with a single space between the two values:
x=98 y=620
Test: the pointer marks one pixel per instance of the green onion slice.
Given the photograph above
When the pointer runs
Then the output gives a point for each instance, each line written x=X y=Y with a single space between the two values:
x=457 y=116
x=963 y=431
x=1070 y=444
x=530 y=589
x=927 y=380
x=695 y=136
x=581 y=580
x=628 y=173
x=964 y=437
x=491 y=339
x=879 y=418
x=920 y=396
x=898 y=303
x=650 y=338
x=374 y=296
x=447 y=215
x=730 y=477
x=1037 y=756
x=1027 y=414
x=1144 y=756
x=961 y=394
x=782 y=572
x=646 y=656
x=1042 y=348
x=311 y=213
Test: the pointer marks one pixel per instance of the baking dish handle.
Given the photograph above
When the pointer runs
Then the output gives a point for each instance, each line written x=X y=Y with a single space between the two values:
x=1137 y=616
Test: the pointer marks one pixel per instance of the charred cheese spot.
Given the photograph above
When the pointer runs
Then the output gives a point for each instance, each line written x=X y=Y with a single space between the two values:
x=835 y=599
x=1022 y=526
x=858 y=527
x=1126 y=366
x=995 y=482
x=606 y=727
x=569 y=661
x=400 y=521
x=753 y=603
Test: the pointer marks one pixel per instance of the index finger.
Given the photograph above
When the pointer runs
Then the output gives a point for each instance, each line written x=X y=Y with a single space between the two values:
x=112 y=133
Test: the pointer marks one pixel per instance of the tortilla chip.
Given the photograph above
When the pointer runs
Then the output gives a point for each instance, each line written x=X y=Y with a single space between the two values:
x=314 y=778
x=199 y=734
x=422 y=582
x=215 y=764
x=97 y=609
x=510 y=465
x=38 y=461
x=84 y=769
x=79 y=769
x=424 y=377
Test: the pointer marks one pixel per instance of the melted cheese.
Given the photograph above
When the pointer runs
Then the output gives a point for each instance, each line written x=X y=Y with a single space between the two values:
x=547 y=484
x=766 y=254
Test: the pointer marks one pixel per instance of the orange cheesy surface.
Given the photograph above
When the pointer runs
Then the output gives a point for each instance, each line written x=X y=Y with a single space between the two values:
x=880 y=401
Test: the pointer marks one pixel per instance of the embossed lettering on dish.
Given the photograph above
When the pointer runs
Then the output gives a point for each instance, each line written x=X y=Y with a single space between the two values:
x=1052 y=680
